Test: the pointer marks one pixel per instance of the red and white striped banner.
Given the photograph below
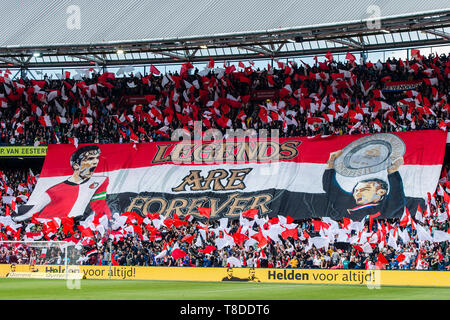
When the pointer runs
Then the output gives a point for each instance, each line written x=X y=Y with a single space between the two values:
x=286 y=176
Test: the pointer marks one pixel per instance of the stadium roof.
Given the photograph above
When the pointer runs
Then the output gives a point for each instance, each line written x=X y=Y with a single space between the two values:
x=65 y=33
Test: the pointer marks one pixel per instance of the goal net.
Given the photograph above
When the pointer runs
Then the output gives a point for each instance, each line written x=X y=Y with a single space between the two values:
x=41 y=259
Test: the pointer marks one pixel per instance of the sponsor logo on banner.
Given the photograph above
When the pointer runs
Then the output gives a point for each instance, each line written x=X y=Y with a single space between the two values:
x=336 y=176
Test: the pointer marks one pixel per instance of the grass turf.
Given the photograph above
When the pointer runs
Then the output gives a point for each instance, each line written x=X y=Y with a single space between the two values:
x=37 y=289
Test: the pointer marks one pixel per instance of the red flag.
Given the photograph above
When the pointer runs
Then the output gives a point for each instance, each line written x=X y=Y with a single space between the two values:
x=263 y=115
x=406 y=218
x=86 y=232
x=153 y=216
x=382 y=259
x=17 y=235
x=177 y=222
x=350 y=57
x=371 y=217
x=45 y=121
x=238 y=237
x=178 y=253
x=250 y=213
x=347 y=222
x=7 y=211
x=131 y=216
x=154 y=70
x=133 y=137
x=211 y=63
x=262 y=241
x=319 y=224
x=188 y=239
x=415 y=53
x=206 y=212
x=377 y=125
x=208 y=249
x=168 y=223
x=113 y=260
x=293 y=233
x=149 y=97
x=443 y=125
x=205 y=228
x=274 y=220
x=230 y=69
x=67 y=224
x=400 y=257
x=329 y=56
x=138 y=230
x=74 y=141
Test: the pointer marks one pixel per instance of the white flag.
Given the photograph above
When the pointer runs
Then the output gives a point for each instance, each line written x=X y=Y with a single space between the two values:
x=423 y=234
x=440 y=236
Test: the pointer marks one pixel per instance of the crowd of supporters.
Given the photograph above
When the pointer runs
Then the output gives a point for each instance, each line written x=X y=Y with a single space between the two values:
x=327 y=98
x=245 y=242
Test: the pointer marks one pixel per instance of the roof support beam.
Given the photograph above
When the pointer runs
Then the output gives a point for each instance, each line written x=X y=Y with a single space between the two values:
x=280 y=47
x=268 y=50
x=190 y=55
x=441 y=34
x=88 y=58
x=262 y=51
x=348 y=43
x=172 y=55
x=12 y=61
x=101 y=60
x=25 y=62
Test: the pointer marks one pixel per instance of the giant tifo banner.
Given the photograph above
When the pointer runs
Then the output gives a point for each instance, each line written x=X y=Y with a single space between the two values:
x=336 y=176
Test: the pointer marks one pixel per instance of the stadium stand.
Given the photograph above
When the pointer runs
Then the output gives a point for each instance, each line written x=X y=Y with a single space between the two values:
x=52 y=111
x=325 y=98
x=91 y=113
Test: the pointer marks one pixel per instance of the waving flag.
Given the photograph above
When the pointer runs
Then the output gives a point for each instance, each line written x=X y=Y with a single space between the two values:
x=178 y=254
x=206 y=212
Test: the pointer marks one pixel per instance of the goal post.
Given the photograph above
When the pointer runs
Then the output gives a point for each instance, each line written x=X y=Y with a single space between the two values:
x=41 y=259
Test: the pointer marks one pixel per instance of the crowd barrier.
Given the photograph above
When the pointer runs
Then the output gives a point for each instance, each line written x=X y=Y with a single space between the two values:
x=267 y=275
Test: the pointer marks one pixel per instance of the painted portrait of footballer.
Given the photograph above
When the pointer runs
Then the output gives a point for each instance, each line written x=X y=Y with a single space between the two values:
x=369 y=196
x=71 y=197
x=370 y=169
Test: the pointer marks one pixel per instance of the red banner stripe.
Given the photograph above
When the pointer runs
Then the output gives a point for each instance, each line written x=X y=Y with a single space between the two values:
x=422 y=148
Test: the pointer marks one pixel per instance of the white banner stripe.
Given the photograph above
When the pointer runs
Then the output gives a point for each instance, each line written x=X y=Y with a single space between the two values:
x=294 y=177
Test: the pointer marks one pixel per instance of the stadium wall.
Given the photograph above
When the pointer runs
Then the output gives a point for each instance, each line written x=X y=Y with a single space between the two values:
x=370 y=278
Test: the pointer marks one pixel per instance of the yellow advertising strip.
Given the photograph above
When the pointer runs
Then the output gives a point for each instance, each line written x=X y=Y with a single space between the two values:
x=23 y=151
x=304 y=276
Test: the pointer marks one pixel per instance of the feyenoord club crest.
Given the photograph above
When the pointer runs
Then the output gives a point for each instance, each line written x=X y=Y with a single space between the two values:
x=369 y=154
x=94 y=185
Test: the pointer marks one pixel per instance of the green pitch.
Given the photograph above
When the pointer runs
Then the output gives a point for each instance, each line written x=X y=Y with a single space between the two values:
x=30 y=289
